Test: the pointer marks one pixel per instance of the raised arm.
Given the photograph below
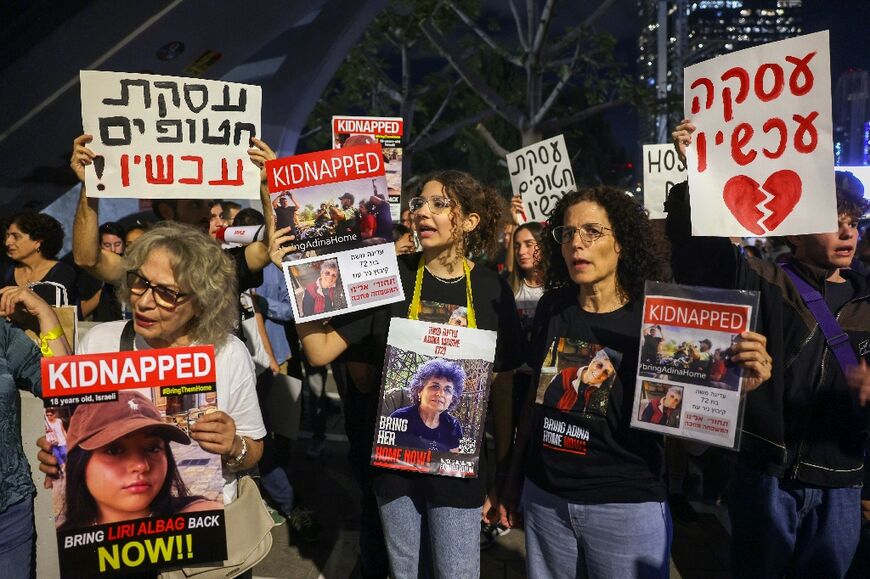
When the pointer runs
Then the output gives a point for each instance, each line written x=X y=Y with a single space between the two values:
x=101 y=263
x=257 y=253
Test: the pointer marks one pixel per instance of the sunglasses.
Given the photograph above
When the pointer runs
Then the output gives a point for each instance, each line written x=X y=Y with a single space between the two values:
x=436 y=205
x=164 y=297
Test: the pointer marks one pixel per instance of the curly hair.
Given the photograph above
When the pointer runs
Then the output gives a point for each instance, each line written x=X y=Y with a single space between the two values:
x=43 y=228
x=850 y=195
x=472 y=197
x=200 y=268
x=438 y=368
x=639 y=258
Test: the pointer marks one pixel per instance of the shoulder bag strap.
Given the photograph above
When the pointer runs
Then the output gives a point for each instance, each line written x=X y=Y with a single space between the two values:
x=127 y=336
x=836 y=338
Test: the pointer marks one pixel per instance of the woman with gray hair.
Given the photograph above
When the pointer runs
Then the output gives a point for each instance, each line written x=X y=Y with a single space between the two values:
x=320 y=294
x=435 y=390
x=181 y=290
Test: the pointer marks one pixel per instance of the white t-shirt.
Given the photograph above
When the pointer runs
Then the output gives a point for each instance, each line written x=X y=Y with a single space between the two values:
x=527 y=299
x=236 y=382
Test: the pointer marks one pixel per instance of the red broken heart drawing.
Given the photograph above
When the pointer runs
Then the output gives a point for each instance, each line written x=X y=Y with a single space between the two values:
x=743 y=195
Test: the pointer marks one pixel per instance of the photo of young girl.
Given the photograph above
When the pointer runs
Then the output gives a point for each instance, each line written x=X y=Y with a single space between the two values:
x=120 y=465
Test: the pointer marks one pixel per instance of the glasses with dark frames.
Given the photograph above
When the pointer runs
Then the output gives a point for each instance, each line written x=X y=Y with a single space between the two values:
x=163 y=296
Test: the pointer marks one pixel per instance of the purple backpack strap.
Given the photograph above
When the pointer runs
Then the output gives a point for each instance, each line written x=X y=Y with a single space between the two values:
x=836 y=338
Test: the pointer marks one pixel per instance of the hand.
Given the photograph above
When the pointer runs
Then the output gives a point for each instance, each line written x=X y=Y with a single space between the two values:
x=259 y=153
x=47 y=461
x=81 y=156
x=517 y=210
x=278 y=245
x=750 y=352
x=17 y=298
x=507 y=514
x=865 y=510
x=682 y=137
x=215 y=432
x=274 y=366
x=858 y=378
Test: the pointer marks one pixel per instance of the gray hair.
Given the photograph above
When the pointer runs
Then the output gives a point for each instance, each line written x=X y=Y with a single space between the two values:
x=201 y=269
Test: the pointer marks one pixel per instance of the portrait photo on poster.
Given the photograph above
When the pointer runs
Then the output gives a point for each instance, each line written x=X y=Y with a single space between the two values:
x=577 y=377
x=661 y=404
x=317 y=286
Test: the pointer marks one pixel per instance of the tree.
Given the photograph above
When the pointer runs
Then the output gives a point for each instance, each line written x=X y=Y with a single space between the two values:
x=549 y=66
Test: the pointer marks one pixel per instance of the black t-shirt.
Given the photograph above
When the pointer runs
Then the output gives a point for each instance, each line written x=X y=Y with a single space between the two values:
x=587 y=452
x=60 y=273
x=366 y=332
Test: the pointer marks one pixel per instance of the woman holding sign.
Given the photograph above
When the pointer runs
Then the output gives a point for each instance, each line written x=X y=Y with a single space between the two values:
x=592 y=488
x=454 y=216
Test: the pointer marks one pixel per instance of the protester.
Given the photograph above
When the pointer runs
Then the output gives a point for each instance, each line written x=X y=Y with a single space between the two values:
x=177 y=288
x=795 y=495
x=32 y=243
x=599 y=512
x=20 y=369
x=134 y=232
x=107 y=307
x=249 y=260
x=524 y=265
x=454 y=216
x=121 y=466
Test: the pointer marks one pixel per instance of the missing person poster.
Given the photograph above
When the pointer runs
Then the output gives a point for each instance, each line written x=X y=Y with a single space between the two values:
x=687 y=385
x=335 y=203
x=135 y=492
x=167 y=137
x=434 y=394
x=388 y=131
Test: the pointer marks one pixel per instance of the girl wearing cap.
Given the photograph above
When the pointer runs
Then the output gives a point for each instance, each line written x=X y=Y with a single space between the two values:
x=181 y=290
x=120 y=465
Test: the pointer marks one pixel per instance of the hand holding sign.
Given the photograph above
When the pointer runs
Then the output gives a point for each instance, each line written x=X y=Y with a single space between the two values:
x=541 y=174
x=761 y=161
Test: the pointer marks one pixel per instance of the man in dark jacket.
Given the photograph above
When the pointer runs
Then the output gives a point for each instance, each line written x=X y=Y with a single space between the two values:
x=795 y=501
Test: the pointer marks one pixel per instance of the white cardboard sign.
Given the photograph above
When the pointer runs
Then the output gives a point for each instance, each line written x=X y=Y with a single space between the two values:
x=170 y=137
x=662 y=169
x=761 y=161
x=541 y=174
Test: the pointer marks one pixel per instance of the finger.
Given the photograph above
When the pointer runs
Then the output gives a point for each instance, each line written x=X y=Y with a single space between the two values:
x=82 y=139
x=754 y=337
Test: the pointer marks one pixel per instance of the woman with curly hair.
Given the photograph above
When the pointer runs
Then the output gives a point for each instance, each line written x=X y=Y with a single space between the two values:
x=593 y=495
x=435 y=390
x=32 y=241
x=454 y=217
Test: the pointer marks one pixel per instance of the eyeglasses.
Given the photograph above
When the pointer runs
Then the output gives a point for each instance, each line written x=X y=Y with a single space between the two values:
x=164 y=297
x=589 y=233
x=437 y=205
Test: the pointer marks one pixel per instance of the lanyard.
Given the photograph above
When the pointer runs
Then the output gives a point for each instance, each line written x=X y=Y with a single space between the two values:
x=414 y=308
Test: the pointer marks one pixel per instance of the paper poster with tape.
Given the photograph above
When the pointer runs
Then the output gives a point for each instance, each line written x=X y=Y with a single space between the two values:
x=136 y=492
x=343 y=257
x=541 y=174
x=662 y=169
x=761 y=161
x=170 y=137
x=388 y=131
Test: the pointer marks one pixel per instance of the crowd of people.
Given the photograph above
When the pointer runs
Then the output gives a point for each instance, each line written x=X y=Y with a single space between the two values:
x=574 y=283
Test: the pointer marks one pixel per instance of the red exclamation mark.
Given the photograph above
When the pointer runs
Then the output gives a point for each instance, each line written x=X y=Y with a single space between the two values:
x=99 y=166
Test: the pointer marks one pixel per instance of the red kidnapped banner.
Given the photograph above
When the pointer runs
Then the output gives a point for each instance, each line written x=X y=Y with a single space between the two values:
x=109 y=372
x=701 y=315
x=322 y=167
x=368 y=126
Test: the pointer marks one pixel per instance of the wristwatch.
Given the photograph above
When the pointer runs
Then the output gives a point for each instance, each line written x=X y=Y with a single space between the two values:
x=237 y=461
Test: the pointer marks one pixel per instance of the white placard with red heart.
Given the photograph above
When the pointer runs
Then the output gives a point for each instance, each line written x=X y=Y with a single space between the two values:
x=762 y=162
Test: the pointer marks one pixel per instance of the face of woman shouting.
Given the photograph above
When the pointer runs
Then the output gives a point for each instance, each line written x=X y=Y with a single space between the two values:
x=126 y=475
x=590 y=250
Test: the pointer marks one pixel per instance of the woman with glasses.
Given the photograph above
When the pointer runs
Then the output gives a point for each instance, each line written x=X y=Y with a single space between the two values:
x=454 y=217
x=181 y=290
x=592 y=490
x=319 y=295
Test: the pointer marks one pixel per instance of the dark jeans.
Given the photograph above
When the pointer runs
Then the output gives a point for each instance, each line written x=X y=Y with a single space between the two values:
x=786 y=528
x=360 y=409
x=17 y=538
